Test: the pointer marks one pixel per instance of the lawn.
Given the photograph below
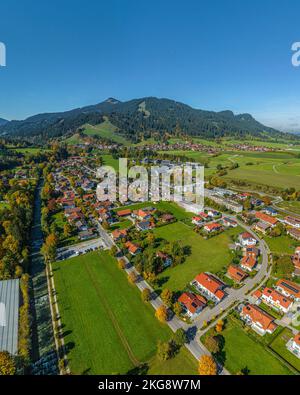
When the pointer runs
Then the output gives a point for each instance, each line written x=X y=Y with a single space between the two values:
x=241 y=351
x=279 y=346
x=60 y=220
x=282 y=244
x=107 y=327
x=206 y=255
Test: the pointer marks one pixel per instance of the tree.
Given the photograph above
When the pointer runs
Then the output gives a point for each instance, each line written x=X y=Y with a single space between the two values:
x=49 y=248
x=132 y=277
x=180 y=337
x=67 y=230
x=207 y=366
x=146 y=294
x=161 y=313
x=167 y=296
x=122 y=264
x=220 y=326
x=113 y=251
x=212 y=344
x=164 y=350
x=177 y=308
x=7 y=364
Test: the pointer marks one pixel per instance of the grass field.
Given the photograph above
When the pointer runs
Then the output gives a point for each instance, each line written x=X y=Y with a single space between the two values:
x=241 y=351
x=107 y=327
x=105 y=130
x=277 y=169
x=279 y=346
x=293 y=206
x=282 y=244
x=206 y=255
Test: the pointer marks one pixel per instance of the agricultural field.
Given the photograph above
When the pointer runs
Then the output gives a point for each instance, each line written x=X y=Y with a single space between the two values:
x=107 y=327
x=206 y=255
x=242 y=351
x=274 y=169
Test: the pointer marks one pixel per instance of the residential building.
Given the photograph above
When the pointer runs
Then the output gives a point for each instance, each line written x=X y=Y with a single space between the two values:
x=294 y=345
x=197 y=220
x=246 y=239
x=119 y=234
x=262 y=227
x=294 y=233
x=229 y=222
x=143 y=225
x=266 y=218
x=166 y=259
x=292 y=221
x=259 y=320
x=192 y=304
x=276 y=300
x=133 y=249
x=210 y=286
x=124 y=213
x=289 y=289
x=270 y=211
x=248 y=262
x=212 y=227
x=236 y=273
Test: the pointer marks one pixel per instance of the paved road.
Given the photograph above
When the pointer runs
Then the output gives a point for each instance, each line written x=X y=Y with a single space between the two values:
x=235 y=295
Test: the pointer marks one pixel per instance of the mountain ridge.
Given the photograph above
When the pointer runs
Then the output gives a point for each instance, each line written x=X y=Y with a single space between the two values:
x=143 y=116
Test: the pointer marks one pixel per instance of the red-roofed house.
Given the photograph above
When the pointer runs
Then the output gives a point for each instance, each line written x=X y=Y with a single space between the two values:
x=119 y=234
x=124 y=213
x=295 y=345
x=197 y=220
x=266 y=218
x=210 y=286
x=133 y=249
x=289 y=289
x=213 y=227
x=236 y=273
x=277 y=300
x=259 y=320
x=248 y=262
x=192 y=303
x=246 y=239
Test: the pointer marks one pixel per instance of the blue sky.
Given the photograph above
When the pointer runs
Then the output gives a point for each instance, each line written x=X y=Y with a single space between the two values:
x=210 y=54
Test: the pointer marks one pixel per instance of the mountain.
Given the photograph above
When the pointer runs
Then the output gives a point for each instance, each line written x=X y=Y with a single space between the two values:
x=3 y=121
x=138 y=117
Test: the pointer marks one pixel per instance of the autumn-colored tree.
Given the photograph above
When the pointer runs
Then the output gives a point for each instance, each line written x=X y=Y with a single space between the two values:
x=161 y=313
x=219 y=326
x=150 y=277
x=177 y=308
x=167 y=296
x=122 y=263
x=132 y=277
x=207 y=366
x=113 y=250
x=146 y=294
x=150 y=238
x=67 y=230
x=7 y=364
x=49 y=248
